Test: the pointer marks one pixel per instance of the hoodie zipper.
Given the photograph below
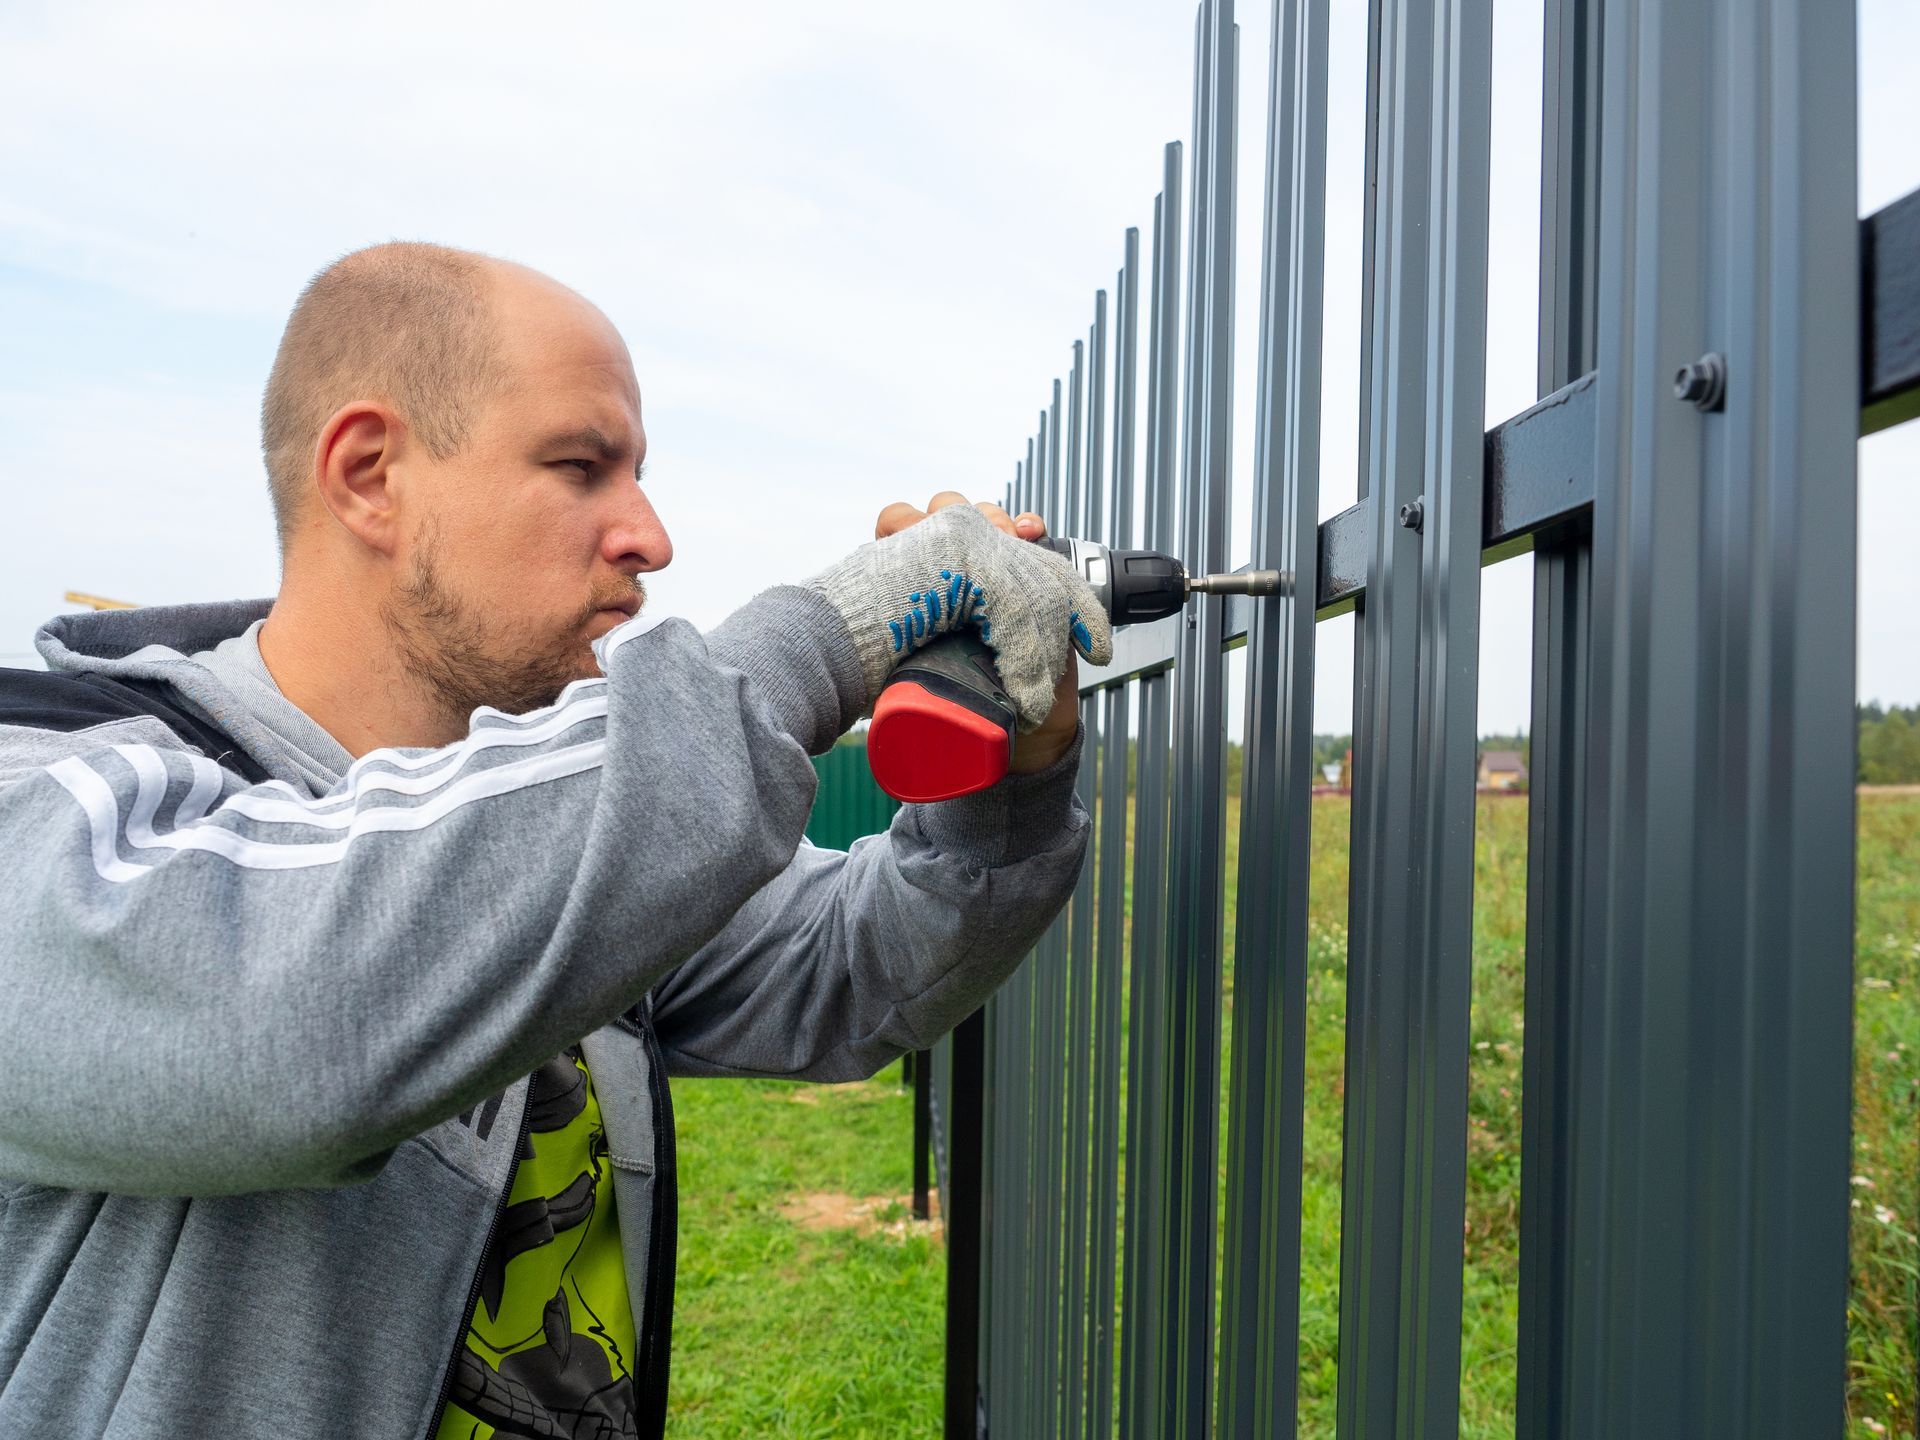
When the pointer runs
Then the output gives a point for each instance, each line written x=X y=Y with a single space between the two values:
x=480 y=1270
x=656 y=1318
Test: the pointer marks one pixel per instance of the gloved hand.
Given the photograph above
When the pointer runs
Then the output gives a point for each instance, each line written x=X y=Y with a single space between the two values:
x=955 y=569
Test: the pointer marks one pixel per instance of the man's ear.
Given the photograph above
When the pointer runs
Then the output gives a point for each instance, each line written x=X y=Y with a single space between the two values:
x=353 y=463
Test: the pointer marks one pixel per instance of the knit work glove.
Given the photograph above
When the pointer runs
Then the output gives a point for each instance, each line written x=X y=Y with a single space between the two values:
x=955 y=569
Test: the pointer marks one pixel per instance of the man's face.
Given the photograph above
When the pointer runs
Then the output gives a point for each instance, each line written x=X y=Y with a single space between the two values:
x=528 y=544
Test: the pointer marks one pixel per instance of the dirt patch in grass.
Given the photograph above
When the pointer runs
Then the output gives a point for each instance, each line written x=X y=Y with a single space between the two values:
x=850 y=1091
x=886 y=1215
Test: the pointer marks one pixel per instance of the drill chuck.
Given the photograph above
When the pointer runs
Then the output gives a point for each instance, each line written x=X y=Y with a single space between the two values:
x=1133 y=585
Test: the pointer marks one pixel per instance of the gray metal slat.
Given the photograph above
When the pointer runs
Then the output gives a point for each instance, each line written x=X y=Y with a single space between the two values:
x=1125 y=390
x=1077 y=1058
x=1004 y=1228
x=1038 y=1067
x=1062 y=517
x=1143 y=1281
x=1104 y=1216
x=1020 y=1322
x=1081 y=1040
x=1019 y=1318
x=1415 y=691
x=1093 y=520
x=1199 y=744
x=1146 y=1281
x=1073 y=482
x=1557 y=762
x=1001 y=1239
x=1010 y=1318
x=1549 y=1075
x=1260 y=1306
x=1709 y=1272
x=1032 y=1216
x=1103 y=1326
x=1051 y=1060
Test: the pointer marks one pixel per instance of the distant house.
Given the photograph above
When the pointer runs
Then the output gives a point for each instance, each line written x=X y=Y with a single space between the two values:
x=1336 y=777
x=1502 y=770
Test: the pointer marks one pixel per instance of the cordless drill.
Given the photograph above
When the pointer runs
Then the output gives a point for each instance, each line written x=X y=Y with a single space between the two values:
x=944 y=725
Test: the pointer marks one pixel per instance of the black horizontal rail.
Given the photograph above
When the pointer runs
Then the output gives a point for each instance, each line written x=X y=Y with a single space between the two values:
x=1890 y=315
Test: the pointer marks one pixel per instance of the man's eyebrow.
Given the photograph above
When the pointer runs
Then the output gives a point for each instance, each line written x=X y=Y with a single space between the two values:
x=587 y=437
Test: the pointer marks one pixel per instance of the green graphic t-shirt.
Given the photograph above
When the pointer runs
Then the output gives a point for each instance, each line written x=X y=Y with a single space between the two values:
x=550 y=1341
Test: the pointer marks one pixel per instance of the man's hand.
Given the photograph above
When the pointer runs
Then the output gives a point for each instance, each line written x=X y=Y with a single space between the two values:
x=1039 y=748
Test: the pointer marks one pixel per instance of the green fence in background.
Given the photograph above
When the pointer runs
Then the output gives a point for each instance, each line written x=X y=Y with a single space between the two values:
x=849 y=804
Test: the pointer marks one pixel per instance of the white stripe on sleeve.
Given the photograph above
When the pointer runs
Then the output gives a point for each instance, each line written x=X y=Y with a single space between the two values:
x=207 y=833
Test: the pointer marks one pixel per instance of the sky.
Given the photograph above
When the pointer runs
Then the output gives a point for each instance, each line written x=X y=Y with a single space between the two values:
x=849 y=244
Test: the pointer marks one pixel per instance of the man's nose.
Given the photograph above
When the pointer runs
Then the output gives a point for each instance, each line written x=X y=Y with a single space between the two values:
x=638 y=541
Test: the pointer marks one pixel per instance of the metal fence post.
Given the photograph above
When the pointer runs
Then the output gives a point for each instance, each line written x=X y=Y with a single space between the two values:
x=922 y=1129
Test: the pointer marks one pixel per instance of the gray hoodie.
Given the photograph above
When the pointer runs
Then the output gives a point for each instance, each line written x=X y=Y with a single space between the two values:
x=263 y=1042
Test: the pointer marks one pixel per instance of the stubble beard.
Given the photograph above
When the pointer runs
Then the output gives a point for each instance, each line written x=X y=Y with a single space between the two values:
x=462 y=658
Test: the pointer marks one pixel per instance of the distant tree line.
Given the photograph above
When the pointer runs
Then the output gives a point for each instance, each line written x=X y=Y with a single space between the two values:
x=1889 y=749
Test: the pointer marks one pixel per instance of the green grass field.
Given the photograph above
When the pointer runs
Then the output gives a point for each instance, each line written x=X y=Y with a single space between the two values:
x=809 y=1305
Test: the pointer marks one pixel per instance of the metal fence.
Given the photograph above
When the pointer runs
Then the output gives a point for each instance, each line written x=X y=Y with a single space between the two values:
x=1684 y=1200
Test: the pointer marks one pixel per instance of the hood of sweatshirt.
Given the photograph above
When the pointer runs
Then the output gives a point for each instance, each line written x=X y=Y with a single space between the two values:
x=156 y=642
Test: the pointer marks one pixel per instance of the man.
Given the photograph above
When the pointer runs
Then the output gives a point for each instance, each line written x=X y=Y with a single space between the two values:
x=348 y=941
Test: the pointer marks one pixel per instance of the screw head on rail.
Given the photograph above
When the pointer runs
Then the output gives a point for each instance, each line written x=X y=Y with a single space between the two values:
x=1413 y=514
x=1703 y=384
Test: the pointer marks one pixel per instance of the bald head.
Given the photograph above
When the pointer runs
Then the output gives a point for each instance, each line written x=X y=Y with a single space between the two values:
x=409 y=324
x=454 y=444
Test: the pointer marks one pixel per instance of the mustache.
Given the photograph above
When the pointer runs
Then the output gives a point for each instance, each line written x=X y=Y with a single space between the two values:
x=606 y=597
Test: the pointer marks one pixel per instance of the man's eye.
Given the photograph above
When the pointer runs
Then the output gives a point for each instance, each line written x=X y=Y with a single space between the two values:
x=586 y=466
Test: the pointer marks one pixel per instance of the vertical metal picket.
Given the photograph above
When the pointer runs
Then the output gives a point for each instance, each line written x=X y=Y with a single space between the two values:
x=1145 y=1278
x=1562 y=621
x=1115 y=767
x=1709 y=1266
x=1051 y=975
x=1194 y=894
x=1076 y=1055
x=1044 y=1052
x=1260 y=1308
x=1415 y=688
